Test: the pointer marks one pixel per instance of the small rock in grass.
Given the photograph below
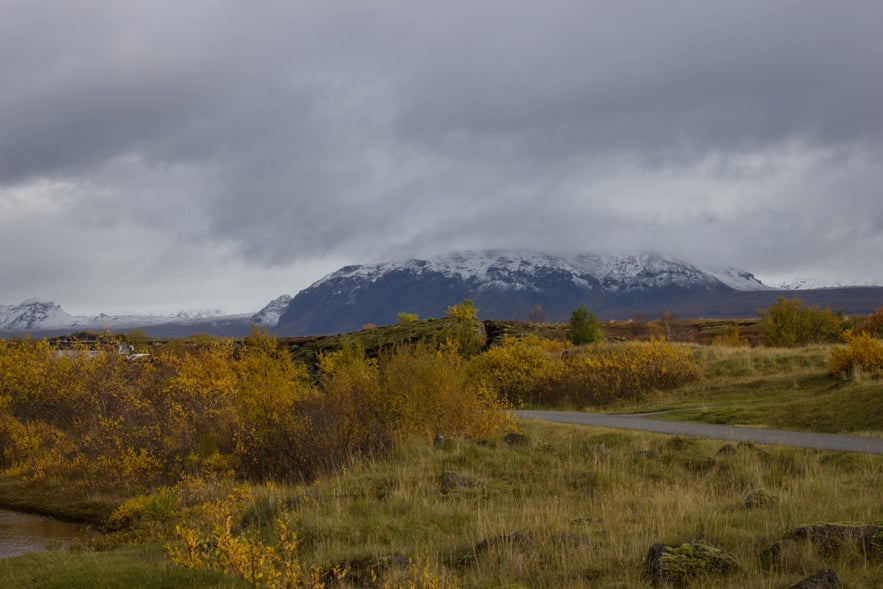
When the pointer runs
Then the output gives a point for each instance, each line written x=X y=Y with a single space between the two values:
x=760 y=498
x=824 y=579
x=514 y=539
x=452 y=480
x=680 y=443
x=728 y=450
x=828 y=540
x=515 y=439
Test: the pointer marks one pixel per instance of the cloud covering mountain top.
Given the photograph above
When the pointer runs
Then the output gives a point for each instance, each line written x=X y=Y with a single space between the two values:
x=150 y=151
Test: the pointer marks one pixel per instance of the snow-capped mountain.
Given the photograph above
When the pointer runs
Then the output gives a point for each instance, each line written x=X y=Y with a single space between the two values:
x=503 y=285
x=33 y=314
x=42 y=317
x=814 y=284
x=500 y=270
x=268 y=317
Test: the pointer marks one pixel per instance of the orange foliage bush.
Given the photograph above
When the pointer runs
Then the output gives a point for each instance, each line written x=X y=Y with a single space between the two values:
x=207 y=406
x=862 y=353
x=872 y=324
x=526 y=371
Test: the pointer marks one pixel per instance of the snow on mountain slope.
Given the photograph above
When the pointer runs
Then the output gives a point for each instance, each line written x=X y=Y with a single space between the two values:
x=813 y=284
x=35 y=315
x=738 y=279
x=502 y=270
x=269 y=315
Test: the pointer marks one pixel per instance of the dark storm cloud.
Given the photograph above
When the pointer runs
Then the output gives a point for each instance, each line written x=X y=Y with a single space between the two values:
x=281 y=132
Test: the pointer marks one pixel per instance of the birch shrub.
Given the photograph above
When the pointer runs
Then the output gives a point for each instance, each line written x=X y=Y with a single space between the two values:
x=209 y=407
x=535 y=372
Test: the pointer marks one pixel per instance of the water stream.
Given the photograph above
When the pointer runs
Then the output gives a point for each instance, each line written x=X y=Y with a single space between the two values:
x=21 y=533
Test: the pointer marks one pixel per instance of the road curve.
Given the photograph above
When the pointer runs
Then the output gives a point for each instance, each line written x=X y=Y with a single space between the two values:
x=716 y=432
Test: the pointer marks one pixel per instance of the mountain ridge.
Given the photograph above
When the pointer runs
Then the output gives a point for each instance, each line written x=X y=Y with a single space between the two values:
x=42 y=317
x=503 y=284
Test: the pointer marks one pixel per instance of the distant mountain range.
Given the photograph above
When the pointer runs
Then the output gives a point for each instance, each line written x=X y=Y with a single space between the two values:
x=502 y=285
x=48 y=318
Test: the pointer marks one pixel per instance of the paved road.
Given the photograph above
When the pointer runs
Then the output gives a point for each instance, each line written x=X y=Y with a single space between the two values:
x=715 y=432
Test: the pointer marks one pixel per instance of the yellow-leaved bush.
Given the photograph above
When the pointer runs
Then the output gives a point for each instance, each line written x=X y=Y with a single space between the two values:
x=209 y=406
x=862 y=353
x=529 y=370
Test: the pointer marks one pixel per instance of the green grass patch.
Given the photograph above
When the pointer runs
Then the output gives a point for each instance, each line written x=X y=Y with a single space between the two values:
x=145 y=566
x=58 y=500
x=848 y=408
x=770 y=387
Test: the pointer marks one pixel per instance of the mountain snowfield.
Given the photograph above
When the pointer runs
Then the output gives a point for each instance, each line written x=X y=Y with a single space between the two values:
x=37 y=315
x=505 y=270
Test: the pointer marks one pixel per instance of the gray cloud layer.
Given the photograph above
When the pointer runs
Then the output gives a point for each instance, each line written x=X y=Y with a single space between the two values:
x=172 y=151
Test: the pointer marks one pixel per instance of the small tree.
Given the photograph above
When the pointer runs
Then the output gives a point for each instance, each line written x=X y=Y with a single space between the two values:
x=465 y=310
x=537 y=314
x=789 y=323
x=465 y=335
x=872 y=324
x=584 y=327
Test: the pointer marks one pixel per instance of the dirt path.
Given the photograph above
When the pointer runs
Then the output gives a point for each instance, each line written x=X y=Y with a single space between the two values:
x=716 y=432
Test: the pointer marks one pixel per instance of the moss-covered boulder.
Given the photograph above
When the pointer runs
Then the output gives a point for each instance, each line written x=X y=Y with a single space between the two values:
x=676 y=565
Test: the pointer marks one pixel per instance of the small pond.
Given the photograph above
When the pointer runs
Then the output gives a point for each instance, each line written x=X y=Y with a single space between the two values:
x=21 y=533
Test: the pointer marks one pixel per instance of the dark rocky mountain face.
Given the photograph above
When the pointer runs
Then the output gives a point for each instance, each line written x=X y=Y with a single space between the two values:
x=502 y=286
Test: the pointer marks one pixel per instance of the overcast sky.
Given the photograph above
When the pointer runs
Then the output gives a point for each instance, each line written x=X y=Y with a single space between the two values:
x=158 y=156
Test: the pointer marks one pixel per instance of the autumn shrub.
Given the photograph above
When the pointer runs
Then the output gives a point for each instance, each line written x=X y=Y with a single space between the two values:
x=268 y=430
x=524 y=371
x=626 y=371
x=209 y=407
x=405 y=318
x=427 y=392
x=369 y=405
x=872 y=324
x=521 y=370
x=862 y=353
x=790 y=323
x=206 y=539
x=464 y=311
